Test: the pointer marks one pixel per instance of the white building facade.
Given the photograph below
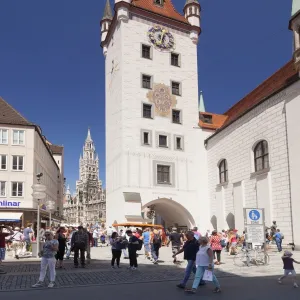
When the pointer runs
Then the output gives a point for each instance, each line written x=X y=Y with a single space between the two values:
x=24 y=152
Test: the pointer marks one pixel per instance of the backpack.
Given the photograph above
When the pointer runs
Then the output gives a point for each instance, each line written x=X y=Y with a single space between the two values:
x=140 y=245
x=156 y=239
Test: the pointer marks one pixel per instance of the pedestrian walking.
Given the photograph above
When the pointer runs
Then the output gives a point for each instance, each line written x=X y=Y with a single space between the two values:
x=204 y=261
x=62 y=243
x=155 y=245
x=176 y=239
x=96 y=237
x=288 y=267
x=132 y=248
x=50 y=248
x=278 y=236
x=116 y=249
x=190 y=250
x=3 y=235
x=146 y=240
x=17 y=242
x=216 y=246
x=79 y=243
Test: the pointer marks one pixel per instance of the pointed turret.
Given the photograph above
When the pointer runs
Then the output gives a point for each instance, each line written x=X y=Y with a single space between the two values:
x=201 y=106
x=105 y=24
x=107 y=11
x=192 y=14
x=295 y=27
x=89 y=137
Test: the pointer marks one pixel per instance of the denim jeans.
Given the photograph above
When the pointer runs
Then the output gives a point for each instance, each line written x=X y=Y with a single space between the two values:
x=199 y=274
x=147 y=248
x=155 y=251
x=191 y=267
x=278 y=244
x=95 y=242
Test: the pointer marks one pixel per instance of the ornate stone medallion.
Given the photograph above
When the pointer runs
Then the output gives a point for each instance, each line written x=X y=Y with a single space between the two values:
x=162 y=99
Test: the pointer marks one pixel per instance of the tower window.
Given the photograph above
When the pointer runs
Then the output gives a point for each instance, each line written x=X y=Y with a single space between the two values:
x=176 y=116
x=206 y=118
x=190 y=10
x=175 y=59
x=146 y=82
x=146 y=51
x=223 y=171
x=147 y=111
x=178 y=143
x=163 y=141
x=146 y=138
x=159 y=2
x=163 y=174
x=261 y=156
x=176 y=88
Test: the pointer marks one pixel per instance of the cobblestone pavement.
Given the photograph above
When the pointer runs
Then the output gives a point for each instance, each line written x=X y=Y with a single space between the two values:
x=22 y=274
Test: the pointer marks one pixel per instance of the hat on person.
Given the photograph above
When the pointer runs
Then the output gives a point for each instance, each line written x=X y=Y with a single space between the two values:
x=288 y=253
x=174 y=229
x=17 y=228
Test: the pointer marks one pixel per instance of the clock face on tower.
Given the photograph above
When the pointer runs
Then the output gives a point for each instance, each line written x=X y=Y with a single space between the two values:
x=161 y=38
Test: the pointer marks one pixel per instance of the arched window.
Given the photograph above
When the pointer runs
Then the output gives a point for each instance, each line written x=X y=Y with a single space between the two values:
x=223 y=171
x=261 y=156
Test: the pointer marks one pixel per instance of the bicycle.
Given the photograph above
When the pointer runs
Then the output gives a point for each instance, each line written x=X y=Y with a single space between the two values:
x=250 y=257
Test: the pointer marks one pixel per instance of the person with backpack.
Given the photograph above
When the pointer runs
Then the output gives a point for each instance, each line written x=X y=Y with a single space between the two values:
x=155 y=245
x=79 y=243
x=133 y=246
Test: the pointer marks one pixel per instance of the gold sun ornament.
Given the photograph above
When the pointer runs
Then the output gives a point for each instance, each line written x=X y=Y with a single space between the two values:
x=162 y=99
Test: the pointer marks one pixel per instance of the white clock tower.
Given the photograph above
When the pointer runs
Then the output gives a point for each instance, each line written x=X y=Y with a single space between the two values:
x=155 y=155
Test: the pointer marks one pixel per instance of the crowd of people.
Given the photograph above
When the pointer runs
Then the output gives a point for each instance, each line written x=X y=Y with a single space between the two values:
x=202 y=252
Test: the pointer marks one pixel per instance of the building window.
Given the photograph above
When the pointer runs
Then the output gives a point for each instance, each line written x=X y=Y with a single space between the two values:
x=146 y=51
x=159 y=2
x=261 y=156
x=3 y=162
x=2 y=189
x=147 y=111
x=162 y=141
x=179 y=143
x=17 y=163
x=206 y=118
x=17 y=189
x=223 y=171
x=163 y=174
x=176 y=88
x=146 y=140
x=176 y=116
x=175 y=59
x=18 y=137
x=3 y=136
x=146 y=82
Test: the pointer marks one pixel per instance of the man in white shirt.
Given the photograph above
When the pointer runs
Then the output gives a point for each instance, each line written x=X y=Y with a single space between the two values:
x=17 y=242
x=96 y=237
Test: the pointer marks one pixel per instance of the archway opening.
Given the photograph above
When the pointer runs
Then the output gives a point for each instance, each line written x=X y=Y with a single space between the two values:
x=170 y=213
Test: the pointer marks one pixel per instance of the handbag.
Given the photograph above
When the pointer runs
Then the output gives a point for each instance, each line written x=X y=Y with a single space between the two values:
x=208 y=275
x=12 y=238
x=223 y=243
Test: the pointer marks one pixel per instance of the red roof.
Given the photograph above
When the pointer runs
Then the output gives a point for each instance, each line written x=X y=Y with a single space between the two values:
x=217 y=121
x=274 y=84
x=166 y=10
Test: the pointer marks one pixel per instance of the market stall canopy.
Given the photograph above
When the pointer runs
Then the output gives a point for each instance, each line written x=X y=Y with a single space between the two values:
x=137 y=225
x=10 y=216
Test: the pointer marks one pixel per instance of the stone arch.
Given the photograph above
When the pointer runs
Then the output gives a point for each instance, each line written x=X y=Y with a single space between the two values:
x=172 y=212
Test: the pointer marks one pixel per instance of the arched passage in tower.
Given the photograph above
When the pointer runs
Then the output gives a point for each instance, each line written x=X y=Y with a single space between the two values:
x=170 y=213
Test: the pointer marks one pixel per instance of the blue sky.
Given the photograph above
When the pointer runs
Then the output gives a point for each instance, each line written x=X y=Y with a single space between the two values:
x=52 y=68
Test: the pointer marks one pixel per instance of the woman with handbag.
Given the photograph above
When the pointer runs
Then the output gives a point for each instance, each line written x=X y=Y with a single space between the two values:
x=48 y=260
x=62 y=243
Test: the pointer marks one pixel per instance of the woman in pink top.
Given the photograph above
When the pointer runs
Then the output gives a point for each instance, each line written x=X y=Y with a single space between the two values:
x=215 y=242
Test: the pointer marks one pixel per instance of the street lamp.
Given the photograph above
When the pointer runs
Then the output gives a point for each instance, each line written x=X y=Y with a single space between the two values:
x=38 y=194
x=50 y=205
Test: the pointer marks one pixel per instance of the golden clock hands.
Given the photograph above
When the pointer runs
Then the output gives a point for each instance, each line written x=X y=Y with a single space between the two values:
x=162 y=36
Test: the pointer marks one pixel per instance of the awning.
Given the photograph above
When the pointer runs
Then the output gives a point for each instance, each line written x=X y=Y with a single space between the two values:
x=10 y=216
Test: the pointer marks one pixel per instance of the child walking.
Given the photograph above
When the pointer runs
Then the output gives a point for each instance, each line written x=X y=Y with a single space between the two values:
x=288 y=266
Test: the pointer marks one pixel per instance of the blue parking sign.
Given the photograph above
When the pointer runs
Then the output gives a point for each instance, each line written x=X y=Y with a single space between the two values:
x=254 y=215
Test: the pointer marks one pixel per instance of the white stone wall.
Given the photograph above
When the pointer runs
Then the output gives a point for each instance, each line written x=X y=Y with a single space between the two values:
x=270 y=190
x=292 y=112
x=129 y=164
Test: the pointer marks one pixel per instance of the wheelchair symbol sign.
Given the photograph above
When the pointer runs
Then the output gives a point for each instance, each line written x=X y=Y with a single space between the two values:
x=254 y=215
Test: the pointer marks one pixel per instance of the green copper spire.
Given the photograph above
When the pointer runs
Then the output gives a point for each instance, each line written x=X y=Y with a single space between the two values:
x=201 y=106
x=295 y=7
